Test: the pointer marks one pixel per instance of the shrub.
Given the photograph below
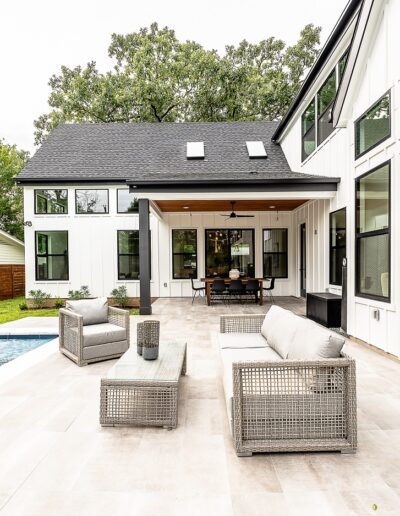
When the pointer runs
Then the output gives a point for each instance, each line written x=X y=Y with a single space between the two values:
x=59 y=303
x=23 y=306
x=39 y=298
x=120 y=296
x=82 y=293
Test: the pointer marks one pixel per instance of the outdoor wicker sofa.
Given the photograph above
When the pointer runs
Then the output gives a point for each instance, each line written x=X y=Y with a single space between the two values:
x=91 y=331
x=284 y=392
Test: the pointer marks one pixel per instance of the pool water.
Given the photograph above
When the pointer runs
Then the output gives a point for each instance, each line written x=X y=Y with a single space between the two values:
x=12 y=346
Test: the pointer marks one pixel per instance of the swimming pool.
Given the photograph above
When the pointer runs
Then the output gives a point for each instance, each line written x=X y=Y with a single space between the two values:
x=12 y=346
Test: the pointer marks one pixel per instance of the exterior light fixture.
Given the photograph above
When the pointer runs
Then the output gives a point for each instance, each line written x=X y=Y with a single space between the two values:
x=28 y=223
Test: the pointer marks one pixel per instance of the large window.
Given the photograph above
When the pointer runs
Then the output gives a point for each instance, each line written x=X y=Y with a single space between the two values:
x=128 y=254
x=275 y=253
x=91 y=201
x=51 y=255
x=51 y=201
x=228 y=249
x=325 y=98
x=308 y=131
x=373 y=234
x=184 y=253
x=126 y=202
x=373 y=127
x=337 y=245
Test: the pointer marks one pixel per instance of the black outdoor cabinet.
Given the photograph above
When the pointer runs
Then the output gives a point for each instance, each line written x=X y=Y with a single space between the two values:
x=324 y=308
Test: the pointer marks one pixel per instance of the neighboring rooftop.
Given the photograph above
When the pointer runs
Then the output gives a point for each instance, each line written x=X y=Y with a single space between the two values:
x=157 y=152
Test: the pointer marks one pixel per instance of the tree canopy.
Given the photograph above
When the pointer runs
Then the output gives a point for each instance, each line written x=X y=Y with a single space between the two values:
x=12 y=161
x=158 y=78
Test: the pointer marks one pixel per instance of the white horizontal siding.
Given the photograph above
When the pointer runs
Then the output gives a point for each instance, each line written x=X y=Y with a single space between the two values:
x=11 y=253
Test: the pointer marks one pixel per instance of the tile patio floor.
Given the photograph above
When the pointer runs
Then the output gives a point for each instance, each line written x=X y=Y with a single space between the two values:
x=55 y=459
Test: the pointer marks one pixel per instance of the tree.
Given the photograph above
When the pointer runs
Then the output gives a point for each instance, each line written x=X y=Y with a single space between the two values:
x=12 y=160
x=158 y=78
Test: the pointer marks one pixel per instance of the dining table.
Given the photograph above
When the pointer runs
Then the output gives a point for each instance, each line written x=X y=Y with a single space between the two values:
x=209 y=281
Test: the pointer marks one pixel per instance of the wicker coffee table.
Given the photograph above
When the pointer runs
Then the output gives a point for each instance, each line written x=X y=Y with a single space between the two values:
x=143 y=392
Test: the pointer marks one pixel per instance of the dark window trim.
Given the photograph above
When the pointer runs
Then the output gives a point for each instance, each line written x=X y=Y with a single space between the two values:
x=184 y=254
x=43 y=231
x=359 y=236
x=125 y=212
x=333 y=72
x=226 y=229
x=313 y=127
x=281 y=252
x=345 y=54
x=45 y=190
x=93 y=190
x=357 y=156
x=129 y=254
x=336 y=246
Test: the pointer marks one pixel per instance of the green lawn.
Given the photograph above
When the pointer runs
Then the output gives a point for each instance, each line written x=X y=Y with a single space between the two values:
x=9 y=311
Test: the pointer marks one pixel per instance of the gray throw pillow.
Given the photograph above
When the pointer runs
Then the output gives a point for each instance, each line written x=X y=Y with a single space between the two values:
x=93 y=311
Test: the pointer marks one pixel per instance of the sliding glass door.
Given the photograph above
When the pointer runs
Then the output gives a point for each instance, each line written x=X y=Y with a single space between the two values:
x=228 y=249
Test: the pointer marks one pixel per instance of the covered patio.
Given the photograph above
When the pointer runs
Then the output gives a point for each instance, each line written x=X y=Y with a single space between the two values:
x=56 y=459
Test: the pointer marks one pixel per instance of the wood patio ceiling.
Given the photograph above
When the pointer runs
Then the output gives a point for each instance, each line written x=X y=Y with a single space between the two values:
x=223 y=205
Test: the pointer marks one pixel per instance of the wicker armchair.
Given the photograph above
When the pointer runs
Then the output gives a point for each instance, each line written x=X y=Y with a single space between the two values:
x=291 y=405
x=95 y=342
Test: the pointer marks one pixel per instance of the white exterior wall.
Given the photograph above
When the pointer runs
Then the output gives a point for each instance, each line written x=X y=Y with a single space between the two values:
x=92 y=246
x=379 y=73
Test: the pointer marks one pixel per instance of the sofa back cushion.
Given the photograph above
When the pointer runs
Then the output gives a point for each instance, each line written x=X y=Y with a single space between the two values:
x=313 y=342
x=279 y=328
x=93 y=311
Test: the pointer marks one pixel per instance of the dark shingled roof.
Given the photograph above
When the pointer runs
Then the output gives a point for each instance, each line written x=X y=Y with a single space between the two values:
x=157 y=152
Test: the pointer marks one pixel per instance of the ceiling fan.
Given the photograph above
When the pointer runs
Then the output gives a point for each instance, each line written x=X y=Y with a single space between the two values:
x=233 y=214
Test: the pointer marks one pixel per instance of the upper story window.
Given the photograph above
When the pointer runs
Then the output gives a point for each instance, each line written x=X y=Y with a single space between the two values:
x=316 y=124
x=51 y=201
x=126 y=201
x=325 y=98
x=91 y=201
x=308 y=130
x=373 y=127
x=373 y=234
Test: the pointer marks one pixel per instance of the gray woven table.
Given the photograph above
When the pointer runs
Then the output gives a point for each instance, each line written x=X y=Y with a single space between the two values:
x=143 y=392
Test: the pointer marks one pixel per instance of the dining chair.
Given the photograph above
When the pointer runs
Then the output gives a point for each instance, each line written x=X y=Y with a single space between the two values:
x=253 y=288
x=236 y=289
x=268 y=290
x=218 y=290
x=196 y=290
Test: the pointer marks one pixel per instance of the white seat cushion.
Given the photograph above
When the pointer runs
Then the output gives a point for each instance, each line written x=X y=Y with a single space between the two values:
x=241 y=340
x=96 y=334
x=105 y=350
x=93 y=311
x=279 y=328
x=312 y=342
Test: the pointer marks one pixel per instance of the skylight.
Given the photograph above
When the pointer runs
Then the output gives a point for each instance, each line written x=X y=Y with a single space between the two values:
x=195 y=150
x=256 y=149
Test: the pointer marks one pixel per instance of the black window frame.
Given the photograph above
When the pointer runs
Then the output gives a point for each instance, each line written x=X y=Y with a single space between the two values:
x=304 y=134
x=93 y=212
x=47 y=254
x=286 y=253
x=195 y=276
x=125 y=212
x=327 y=108
x=230 y=257
x=45 y=190
x=129 y=254
x=359 y=236
x=357 y=121
x=336 y=246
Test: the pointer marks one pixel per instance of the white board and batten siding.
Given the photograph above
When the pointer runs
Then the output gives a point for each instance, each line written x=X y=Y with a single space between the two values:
x=379 y=73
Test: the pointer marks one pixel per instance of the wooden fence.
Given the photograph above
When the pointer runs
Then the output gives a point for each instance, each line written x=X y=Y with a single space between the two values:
x=12 y=281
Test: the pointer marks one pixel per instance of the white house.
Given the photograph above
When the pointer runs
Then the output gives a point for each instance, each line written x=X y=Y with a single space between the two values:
x=316 y=187
x=12 y=259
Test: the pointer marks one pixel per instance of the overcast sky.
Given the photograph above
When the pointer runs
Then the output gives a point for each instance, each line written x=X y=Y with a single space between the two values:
x=38 y=36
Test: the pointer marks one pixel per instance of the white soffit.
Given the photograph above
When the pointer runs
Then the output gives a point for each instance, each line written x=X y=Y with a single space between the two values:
x=195 y=150
x=256 y=149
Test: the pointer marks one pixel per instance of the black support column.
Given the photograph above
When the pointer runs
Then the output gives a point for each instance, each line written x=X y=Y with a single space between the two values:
x=144 y=257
